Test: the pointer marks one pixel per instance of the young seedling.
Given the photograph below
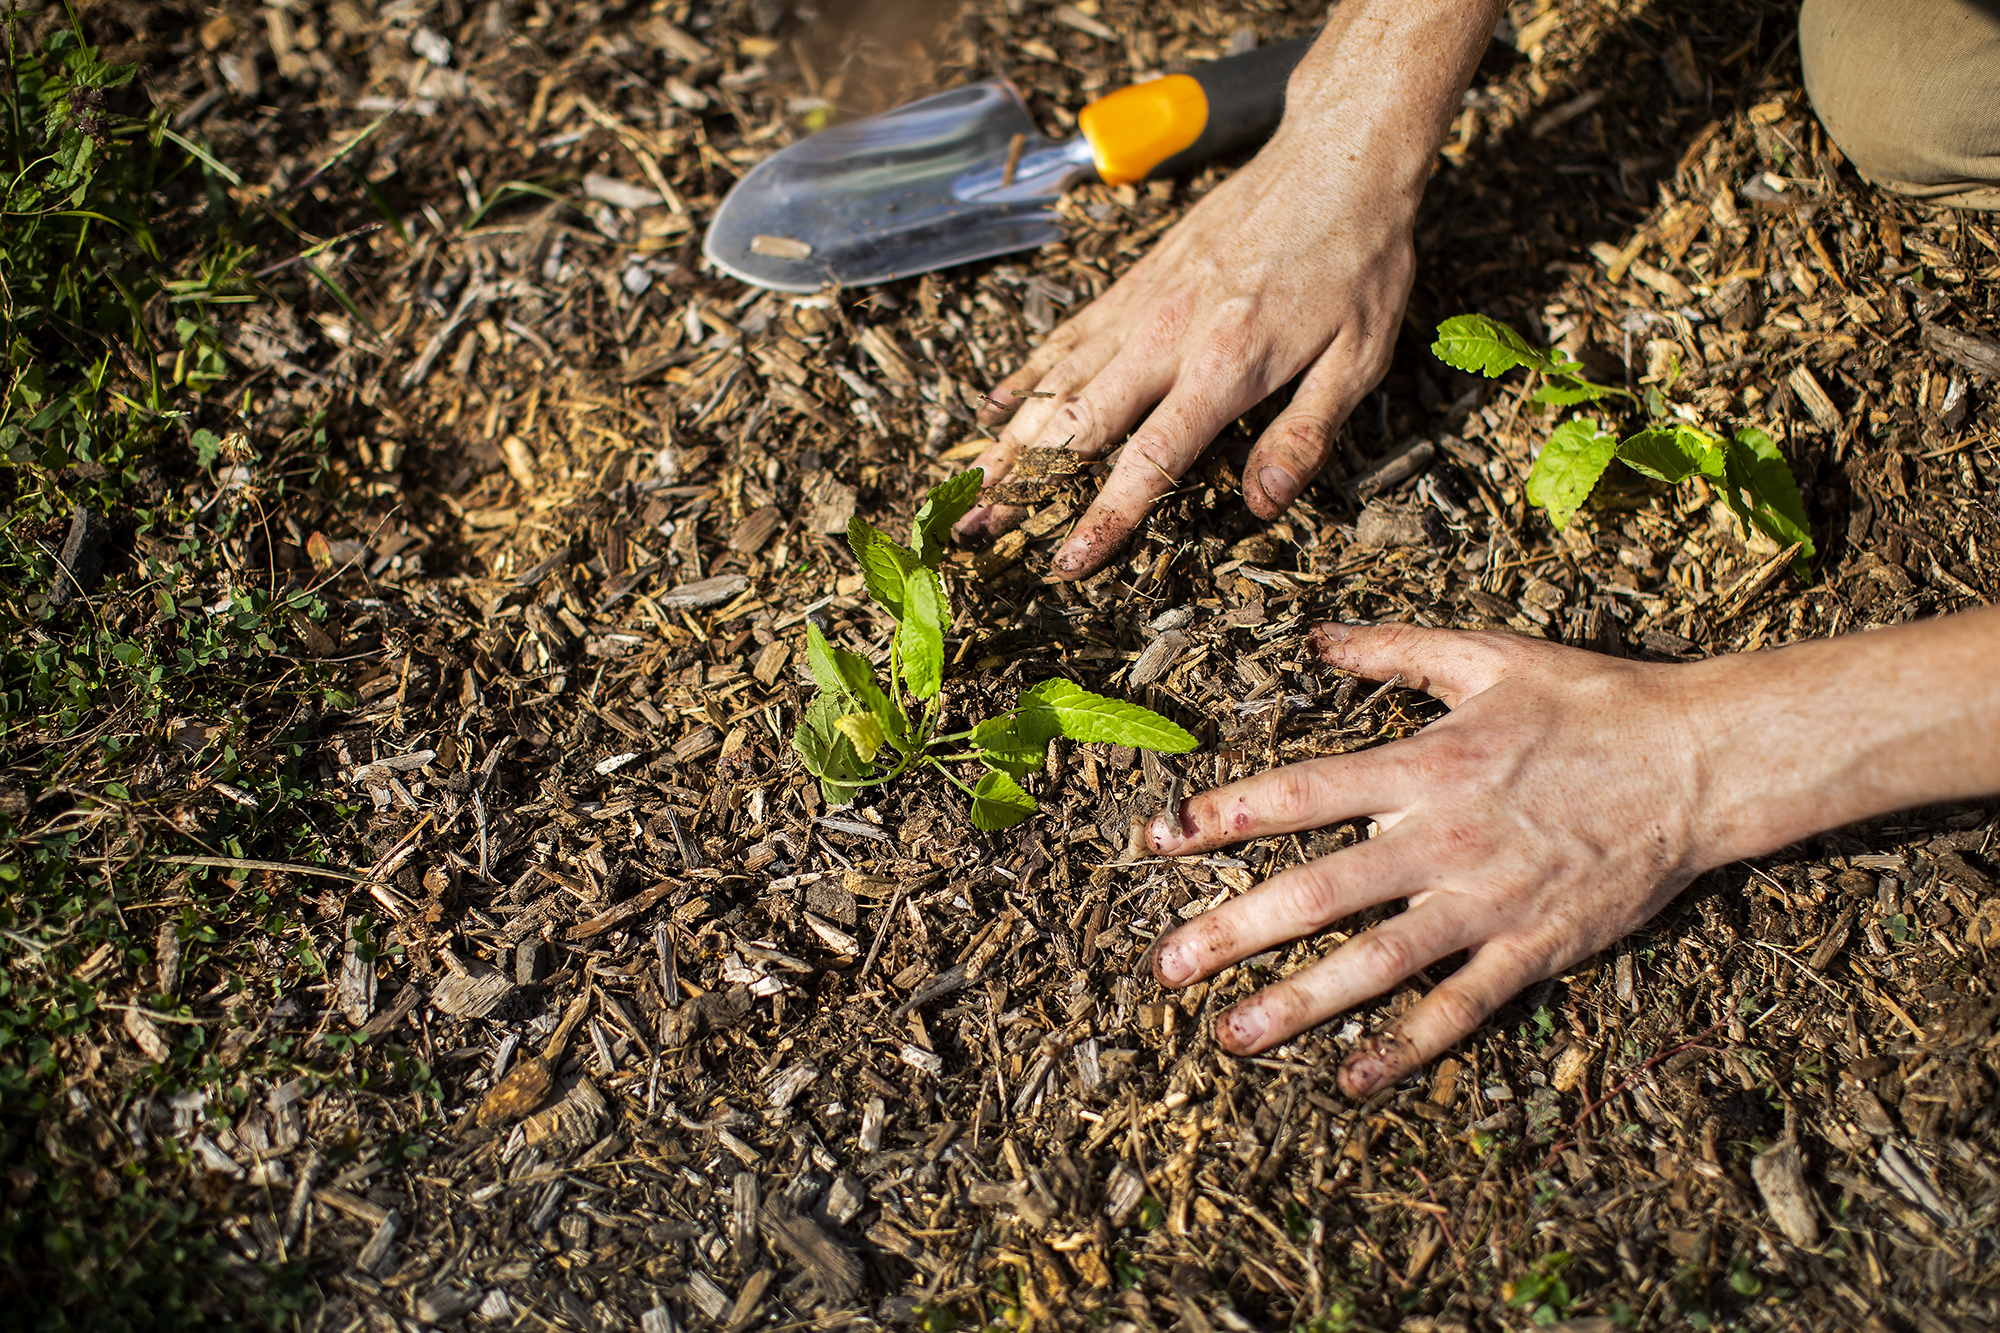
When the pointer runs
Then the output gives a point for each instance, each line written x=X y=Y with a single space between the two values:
x=856 y=734
x=1746 y=470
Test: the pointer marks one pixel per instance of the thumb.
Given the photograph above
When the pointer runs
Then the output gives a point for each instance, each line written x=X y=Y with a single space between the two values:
x=1451 y=665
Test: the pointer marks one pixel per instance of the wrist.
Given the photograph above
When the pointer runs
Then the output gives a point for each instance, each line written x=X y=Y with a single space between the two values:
x=1384 y=82
x=1807 y=738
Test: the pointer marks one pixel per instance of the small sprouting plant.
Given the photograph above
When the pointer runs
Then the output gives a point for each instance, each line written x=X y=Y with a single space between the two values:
x=1746 y=470
x=854 y=729
x=1542 y=1291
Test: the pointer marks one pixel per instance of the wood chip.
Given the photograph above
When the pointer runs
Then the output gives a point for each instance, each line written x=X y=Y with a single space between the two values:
x=1666 y=284
x=472 y=995
x=1813 y=398
x=1780 y=1177
x=570 y=1123
x=780 y=247
x=706 y=593
x=146 y=1036
x=1981 y=355
x=1072 y=17
x=756 y=530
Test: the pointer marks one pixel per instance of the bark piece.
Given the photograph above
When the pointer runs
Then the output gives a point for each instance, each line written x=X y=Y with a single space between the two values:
x=705 y=593
x=1381 y=527
x=1978 y=354
x=1780 y=1177
x=831 y=1267
x=472 y=995
x=82 y=558
x=571 y=1122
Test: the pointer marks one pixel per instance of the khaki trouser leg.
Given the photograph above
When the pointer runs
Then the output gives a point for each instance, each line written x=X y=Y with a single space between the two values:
x=1910 y=90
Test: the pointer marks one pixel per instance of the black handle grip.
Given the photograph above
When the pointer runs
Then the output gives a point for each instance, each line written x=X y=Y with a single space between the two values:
x=1246 y=98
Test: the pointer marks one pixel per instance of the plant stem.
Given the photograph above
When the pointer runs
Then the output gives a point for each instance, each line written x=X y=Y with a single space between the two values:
x=950 y=776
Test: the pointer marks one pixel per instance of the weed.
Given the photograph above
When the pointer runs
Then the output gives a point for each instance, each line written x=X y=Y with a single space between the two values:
x=1746 y=469
x=1543 y=1291
x=168 y=711
x=852 y=719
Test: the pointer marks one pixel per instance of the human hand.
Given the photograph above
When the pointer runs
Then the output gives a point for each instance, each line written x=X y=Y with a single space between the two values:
x=1565 y=800
x=1300 y=262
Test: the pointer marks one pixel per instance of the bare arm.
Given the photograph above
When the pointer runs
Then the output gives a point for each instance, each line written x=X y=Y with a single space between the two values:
x=1300 y=262
x=1563 y=802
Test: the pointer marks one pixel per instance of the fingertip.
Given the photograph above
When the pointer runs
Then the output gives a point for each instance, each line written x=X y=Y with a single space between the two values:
x=1272 y=490
x=1087 y=550
x=1383 y=1061
x=1169 y=830
x=1241 y=1031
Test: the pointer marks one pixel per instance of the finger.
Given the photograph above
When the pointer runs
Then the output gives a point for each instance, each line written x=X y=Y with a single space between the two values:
x=1056 y=387
x=995 y=462
x=1117 y=395
x=1451 y=665
x=1150 y=466
x=1013 y=391
x=1310 y=794
x=1060 y=385
x=1284 y=907
x=1452 y=1012
x=1367 y=965
x=1295 y=447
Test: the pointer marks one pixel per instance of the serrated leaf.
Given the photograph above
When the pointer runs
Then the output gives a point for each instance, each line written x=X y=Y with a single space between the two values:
x=819 y=659
x=1568 y=391
x=944 y=505
x=1758 y=468
x=864 y=732
x=1019 y=742
x=820 y=742
x=1487 y=347
x=1672 y=455
x=883 y=563
x=920 y=633
x=998 y=802
x=1083 y=716
x=1568 y=467
x=858 y=676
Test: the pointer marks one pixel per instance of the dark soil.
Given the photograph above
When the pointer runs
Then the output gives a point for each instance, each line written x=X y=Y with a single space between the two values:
x=703 y=1053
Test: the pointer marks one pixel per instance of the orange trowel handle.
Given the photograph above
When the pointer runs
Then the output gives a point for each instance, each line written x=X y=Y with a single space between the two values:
x=1164 y=125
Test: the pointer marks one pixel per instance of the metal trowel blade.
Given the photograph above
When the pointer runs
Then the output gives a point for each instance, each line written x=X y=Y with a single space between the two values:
x=873 y=200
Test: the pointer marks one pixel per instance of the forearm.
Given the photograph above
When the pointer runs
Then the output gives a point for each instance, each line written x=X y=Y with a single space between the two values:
x=1381 y=86
x=1821 y=734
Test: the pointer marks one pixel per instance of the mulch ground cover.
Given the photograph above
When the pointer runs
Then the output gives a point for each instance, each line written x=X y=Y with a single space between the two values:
x=619 y=1025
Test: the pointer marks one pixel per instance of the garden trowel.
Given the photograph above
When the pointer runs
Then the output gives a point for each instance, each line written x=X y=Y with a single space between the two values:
x=964 y=175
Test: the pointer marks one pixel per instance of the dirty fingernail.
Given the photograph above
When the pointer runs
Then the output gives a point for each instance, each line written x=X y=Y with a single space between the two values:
x=1071 y=557
x=1362 y=1074
x=1174 y=963
x=1242 y=1027
x=1279 y=484
x=1327 y=633
x=1165 y=831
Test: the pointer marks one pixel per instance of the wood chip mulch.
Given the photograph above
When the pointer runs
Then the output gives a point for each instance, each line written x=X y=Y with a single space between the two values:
x=699 y=1053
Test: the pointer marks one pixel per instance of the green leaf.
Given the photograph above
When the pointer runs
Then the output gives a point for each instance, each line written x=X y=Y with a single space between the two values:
x=1568 y=468
x=1487 y=347
x=920 y=634
x=1672 y=454
x=1017 y=743
x=1757 y=467
x=998 y=802
x=863 y=732
x=1083 y=716
x=944 y=505
x=828 y=754
x=1569 y=390
x=819 y=656
x=883 y=564
x=858 y=676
